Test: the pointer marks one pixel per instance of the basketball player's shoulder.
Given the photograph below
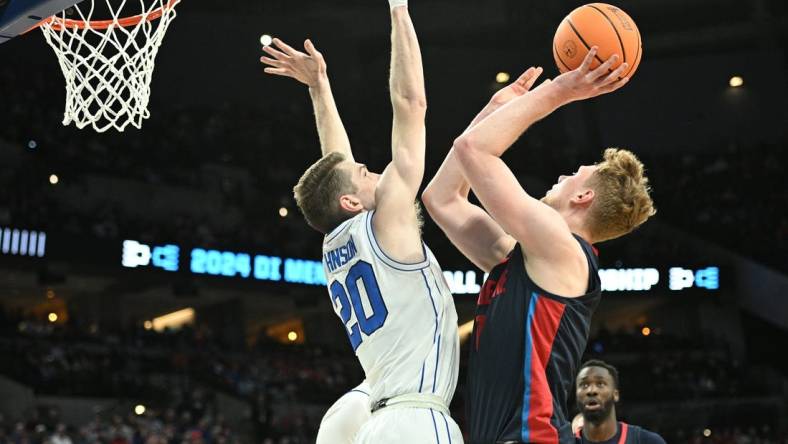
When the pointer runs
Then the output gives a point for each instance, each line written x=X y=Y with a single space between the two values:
x=649 y=437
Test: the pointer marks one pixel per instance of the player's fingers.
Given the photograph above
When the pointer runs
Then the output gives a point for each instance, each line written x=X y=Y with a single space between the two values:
x=614 y=86
x=616 y=74
x=525 y=76
x=287 y=49
x=277 y=54
x=310 y=49
x=277 y=71
x=604 y=68
x=272 y=62
x=586 y=65
x=529 y=82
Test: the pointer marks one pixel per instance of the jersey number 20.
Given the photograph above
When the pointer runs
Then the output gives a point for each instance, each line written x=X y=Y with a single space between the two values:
x=359 y=274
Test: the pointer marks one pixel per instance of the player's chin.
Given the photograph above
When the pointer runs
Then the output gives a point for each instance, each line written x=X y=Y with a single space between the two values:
x=592 y=415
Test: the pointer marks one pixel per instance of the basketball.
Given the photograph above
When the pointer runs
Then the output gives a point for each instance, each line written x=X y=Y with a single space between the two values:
x=602 y=25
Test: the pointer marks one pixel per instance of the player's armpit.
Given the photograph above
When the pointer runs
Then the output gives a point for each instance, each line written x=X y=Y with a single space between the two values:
x=471 y=230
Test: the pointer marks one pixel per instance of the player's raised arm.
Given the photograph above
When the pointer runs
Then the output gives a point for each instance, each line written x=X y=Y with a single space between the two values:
x=468 y=226
x=395 y=220
x=310 y=69
x=542 y=231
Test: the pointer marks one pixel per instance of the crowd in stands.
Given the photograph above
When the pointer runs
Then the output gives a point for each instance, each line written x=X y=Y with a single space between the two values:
x=180 y=373
x=285 y=389
x=671 y=367
x=148 y=428
x=731 y=195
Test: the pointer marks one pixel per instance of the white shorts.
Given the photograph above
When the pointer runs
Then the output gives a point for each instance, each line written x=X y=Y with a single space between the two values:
x=409 y=425
x=344 y=418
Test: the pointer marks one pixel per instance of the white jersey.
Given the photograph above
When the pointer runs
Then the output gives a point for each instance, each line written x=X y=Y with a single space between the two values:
x=400 y=318
x=344 y=418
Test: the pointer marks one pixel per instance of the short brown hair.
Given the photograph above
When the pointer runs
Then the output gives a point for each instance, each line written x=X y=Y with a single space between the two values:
x=622 y=195
x=318 y=190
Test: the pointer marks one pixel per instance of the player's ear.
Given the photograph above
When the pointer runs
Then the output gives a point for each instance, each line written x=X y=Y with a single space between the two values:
x=583 y=197
x=615 y=395
x=351 y=203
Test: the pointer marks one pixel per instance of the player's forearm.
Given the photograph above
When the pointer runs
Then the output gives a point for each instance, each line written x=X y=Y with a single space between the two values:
x=406 y=83
x=447 y=185
x=495 y=133
x=330 y=129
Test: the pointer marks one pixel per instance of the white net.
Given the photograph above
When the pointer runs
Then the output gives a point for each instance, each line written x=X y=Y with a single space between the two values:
x=108 y=64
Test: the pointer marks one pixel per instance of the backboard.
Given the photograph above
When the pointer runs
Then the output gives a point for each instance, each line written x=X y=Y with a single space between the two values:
x=18 y=16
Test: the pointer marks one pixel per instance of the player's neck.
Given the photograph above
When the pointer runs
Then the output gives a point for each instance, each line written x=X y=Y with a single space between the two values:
x=575 y=220
x=603 y=431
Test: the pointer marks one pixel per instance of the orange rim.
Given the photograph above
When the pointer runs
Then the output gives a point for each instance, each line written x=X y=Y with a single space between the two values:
x=58 y=24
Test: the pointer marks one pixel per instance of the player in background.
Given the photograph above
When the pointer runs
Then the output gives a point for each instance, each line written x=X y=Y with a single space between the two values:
x=596 y=390
x=534 y=311
x=385 y=284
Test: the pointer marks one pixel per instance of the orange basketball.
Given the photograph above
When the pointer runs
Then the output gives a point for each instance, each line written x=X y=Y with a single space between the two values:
x=602 y=25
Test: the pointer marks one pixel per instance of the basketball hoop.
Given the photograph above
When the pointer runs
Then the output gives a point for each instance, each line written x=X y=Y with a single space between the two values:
x=108 y=64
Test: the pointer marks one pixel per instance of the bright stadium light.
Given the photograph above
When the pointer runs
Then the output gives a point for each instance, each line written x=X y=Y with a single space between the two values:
x=53 y=179
x=736 y=81
x=283 y=212
x=292 y=336
x=645 y=331
x=174 y=320
x=52 y=317
x=502 y=77
x=148 y=325
x=266 y=39
x=139 y=409
x=706 y=432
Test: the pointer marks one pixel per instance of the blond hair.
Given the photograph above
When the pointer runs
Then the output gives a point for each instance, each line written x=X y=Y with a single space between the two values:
x=622 y=199
x=318 y=190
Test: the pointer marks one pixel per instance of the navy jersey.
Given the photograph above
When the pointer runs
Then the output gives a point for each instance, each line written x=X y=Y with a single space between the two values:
x=526 y=349
x=626 y=434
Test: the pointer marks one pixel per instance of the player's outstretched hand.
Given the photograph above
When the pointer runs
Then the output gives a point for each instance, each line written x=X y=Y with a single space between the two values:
x=308 y=68
x=518 y=87
x=584 y=83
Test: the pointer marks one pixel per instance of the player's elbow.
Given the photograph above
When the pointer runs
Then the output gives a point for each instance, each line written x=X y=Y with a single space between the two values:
x=439 y=201
x=429 y=198
x=435 y=206
x=412 y=104
x=465 y=147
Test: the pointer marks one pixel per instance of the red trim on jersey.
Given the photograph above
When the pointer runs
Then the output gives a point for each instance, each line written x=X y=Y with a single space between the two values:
x=544 y=326
x=624 y=428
